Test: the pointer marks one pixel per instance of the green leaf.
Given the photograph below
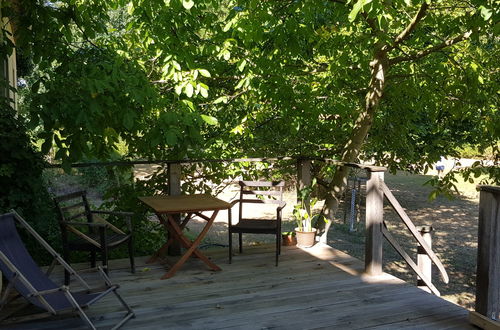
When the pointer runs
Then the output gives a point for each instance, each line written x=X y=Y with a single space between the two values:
x=171 y=138
x=221 y=99
x=176 y=65
x=189 y=104
x=189 y=90
x=47 y=145
x=227 y=26
x=242 y=65
x=210 y=120
x=188 y=4
x=204 y=73
x=203 y=92
x=485 y=12
x=178 y=89
x=355 y=9
x=128 y=121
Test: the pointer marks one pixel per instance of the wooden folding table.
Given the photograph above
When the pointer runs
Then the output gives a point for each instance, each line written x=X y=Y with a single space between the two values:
x=166 y=206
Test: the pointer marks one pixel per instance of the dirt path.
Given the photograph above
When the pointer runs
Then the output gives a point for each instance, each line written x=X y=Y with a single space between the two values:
x=454 y=221
x=454 y=237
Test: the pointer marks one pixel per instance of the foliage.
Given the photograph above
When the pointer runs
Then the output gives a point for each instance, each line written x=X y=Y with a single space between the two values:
x=211 y=79
x=302 y=212
x=23 y=186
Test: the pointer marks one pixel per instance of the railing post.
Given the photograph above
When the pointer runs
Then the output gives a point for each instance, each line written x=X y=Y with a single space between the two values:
x=374 y=220
x=304 y=179
x=424 y=262
x=488 y=254
x=174 y=171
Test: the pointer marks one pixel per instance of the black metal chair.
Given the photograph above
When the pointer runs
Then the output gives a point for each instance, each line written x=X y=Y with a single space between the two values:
x=257 y=192
x=24 y=275
x=84 y=229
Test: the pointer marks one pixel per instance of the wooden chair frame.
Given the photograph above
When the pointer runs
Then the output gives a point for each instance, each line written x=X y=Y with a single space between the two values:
x=250 y=193
x=102 y=235
x=19 y=280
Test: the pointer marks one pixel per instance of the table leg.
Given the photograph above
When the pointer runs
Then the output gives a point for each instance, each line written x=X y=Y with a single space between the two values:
x=191 y=246
x=160 y=253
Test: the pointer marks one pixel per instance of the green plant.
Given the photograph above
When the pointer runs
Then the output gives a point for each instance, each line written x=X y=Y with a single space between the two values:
x=24 y=190
x=302 y=213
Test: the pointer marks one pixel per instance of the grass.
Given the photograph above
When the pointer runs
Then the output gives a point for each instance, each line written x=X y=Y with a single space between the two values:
x=454 y=239
x=454 y=221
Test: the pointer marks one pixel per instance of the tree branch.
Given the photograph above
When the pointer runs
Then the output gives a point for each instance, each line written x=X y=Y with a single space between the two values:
x=433 y=49
x=411 y=26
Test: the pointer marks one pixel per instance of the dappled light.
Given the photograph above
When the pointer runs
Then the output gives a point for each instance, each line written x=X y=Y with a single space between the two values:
x=454 y=236
x=376 y=117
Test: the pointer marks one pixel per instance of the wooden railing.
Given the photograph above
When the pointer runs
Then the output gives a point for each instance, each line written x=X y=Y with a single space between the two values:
x=376 y=229
x=487 y=310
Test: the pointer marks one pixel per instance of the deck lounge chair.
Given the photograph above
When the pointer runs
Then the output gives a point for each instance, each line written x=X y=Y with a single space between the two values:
x=24 y=275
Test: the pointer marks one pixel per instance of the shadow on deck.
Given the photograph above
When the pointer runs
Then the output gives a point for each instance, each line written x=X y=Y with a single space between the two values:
x=312 y=288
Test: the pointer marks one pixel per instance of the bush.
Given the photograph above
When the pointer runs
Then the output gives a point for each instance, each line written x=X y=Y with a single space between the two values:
x=23 y=186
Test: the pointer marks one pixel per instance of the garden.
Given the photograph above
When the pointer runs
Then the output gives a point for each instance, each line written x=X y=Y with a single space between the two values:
x=104 y=95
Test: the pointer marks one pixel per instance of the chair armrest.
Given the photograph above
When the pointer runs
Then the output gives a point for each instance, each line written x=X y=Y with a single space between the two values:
x=88 y=224
x=45 y=292
x=282 y=206
x=100 y=226
x=233 y=203
x=120 y=213
x=127 y=215
x=279 y=209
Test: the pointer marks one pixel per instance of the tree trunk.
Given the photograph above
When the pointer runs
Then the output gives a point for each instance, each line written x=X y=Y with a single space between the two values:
x=379 y=67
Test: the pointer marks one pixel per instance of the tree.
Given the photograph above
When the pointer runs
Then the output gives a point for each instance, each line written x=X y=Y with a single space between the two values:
x=383 y=80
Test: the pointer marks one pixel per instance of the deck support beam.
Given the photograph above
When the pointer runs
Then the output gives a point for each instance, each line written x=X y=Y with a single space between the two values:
x=488 y=254
x=174 y=171
x=374 y=221
x=304 y=179
x=424 y=262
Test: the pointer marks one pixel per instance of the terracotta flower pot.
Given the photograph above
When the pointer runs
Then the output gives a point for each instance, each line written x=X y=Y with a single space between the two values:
x=305 y=238
x=288 y=240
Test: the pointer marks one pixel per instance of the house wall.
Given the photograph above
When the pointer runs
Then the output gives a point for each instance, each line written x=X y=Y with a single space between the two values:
x=8 y=71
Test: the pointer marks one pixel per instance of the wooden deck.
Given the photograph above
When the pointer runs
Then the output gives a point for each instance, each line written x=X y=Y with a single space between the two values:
x=310 y=289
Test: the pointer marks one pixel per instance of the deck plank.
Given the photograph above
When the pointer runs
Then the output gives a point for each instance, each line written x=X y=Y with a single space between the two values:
x=317 y=288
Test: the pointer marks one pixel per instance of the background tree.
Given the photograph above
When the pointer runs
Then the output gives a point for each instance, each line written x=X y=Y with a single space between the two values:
x=383 y=80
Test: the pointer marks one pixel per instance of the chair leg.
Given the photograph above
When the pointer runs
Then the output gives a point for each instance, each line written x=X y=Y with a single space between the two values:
x=104 y=253
x=131 y=255
x=280 y=241
x=92 y=259
x=67 y=275
x=241 y=242
x=130 y=313
x=230 y=247
x=278 y=246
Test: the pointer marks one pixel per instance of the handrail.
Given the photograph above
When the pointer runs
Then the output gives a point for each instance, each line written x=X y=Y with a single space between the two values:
x=408 y=260
x=222 y=160
x=413 y=230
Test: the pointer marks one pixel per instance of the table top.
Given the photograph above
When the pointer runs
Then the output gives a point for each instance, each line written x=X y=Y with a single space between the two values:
x=184 y=203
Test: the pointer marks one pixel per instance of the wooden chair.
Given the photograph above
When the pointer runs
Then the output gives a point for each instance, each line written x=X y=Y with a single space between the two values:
x=83 y=229
x=257 y=192
x=36 y=286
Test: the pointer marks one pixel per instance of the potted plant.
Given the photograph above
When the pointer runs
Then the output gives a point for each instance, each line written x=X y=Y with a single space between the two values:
x=288 y=238
x=305 y=232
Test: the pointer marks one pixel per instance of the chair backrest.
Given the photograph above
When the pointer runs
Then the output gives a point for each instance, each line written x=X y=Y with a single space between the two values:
x=16 y=255
x=74 y=207
x=260 y=192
